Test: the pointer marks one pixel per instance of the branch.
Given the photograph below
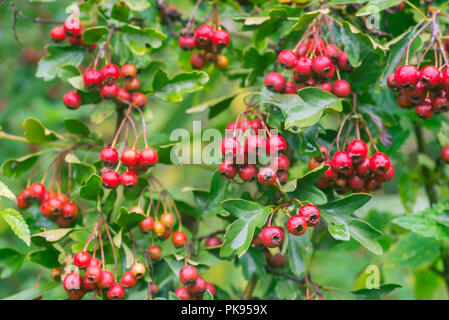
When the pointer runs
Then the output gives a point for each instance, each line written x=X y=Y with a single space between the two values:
x=249 y=288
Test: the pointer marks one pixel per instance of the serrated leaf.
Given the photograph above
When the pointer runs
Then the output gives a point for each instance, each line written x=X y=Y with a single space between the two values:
x=55 y=234
x=5 y=192
x=16 y=167
x=376 y=294
x=93 y=188
x=49 y=66
x=17 y=223
x=75 y=126
x=129 y=219
x=35 y=132
x=94 y=34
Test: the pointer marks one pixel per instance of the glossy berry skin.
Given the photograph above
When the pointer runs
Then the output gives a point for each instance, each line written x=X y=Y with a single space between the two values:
x=221 y=61
x=280 y=163
x=391 y=83
x=275 y=145
x=159 y=228
x=198 y=288
x=220 y=38
x=227 y=170
x=424 y=110
x=332 y=52
x=139 y=99
x=132 y=84
x=70 y=211
x=129 y=157
x=91 y=79
x=430 y=76
x=275 y=82
x=417 y=94
x=303 y=68
x=82 y=259
x=72 y=282
x=387 y=176
x=356 y=183
x=297 y=225
x=138 y=270
x=128 y=179
x=188 y=275
x=229 y=147
x=380 y=163
x=37 y=191
x=302 y=50
x=290 y=88
x=363 y=169
x=154 y=289
x=316 y=44
x=148 y=157
x=109 y=74
x=93 y=273
x=310 y=213
x=74 y=41
x=357 y=150
x=146 y=226
x=87 y=284
x=322 y=66
x=107 y=279
x=287 y=59
x=109 y=155
x=212 y=242
x=440 y=103
x=72 y=100
x=116 y=292
x=248 y=173
x=57 y=34
x=255 y=144
x=72 y=27
x=341 y=88
x=445 y=154
x=272 y=236
x=445 y=78
x=374 y=185
x=154 y=252
x=197 y=60
x=187 y=43
x=211 y=288
x=342 y=163
x=109 y=91
x=168 y=219
x=128 y=280
x=179 y=239
x=204 y=33
x=182 y=293
x=406 y=76
x=111 y=179
x=267 y=176
x=22 y=204
x=128 y=71
x=123 y=95
x=343 y=62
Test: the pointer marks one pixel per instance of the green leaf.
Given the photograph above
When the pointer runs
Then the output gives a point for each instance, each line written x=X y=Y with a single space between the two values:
x=93 y=189
x=55 y=234
x=95 y=34
x=137 y=5
x=253 y=262
x=129 y=219
x=50 y=65
x=120 y=11
x=34 y=292
x=297 y=248
x=10 y=262
x=75 y=126
x=426 y=225
x=47 y=257
x=217 y=194
x=239 y=234
x=286 y=289
x=35 y=132
x=17 y=223
x=257 y=63
x=16 y=167
x=5 y=192
x=365 y=234
x=306 y=18
x=375 y=6
x=376 y=294
x=306 y=189
x=137 y=39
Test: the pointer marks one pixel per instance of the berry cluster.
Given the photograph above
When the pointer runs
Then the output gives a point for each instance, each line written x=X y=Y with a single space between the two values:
x=136 y=163
x=314 y=62
x=242 y=158
x=194 y=286
x=72 y=30
x=353 y=169
x=53 y=205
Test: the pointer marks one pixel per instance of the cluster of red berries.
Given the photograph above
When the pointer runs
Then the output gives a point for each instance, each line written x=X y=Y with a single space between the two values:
x=424 y=90
x=71 y=29
x=105 y=80
x=240 y=158
x=353 y=169
x=163 y=227
x=136 y=163
x=313 y=64
x=97 y=279
x=194 y=286
x=209 y=41
x=53 y=205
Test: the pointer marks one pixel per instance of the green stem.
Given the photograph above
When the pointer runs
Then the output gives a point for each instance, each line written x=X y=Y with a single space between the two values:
x=249 y=288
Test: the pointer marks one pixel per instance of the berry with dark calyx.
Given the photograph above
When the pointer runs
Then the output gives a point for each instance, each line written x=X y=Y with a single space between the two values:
x=72 y=27
x=280 y=163
x=146 y=225
x=255 y=144
x=75 y=295
x=154 y=252
x=139 y=99
x=82 y=259
x=357 y=150
x=179 y=239
x=57 y=34
x=111 y=179
x=341 y=88
x=91 y=79
x=74 y=41
x=324 y=154
x=430 y=76
x=227 y=169
x=363 y=169
x=165 y=235
x=445 y=154
x=123 y=95
x=107 y=279
x=128 y=71
x=128 y=179
x=93 y=273
x=109 y=74
x=380 y=163
x=168 y=219
x=229 y=147
x=342 y=163
x=322 y=66
x=132 y=84
x=387 y=176
x=287 y=59
x=221 y=61
x=198 y=288
x=129 y=157
x=116 y=292
x=440 y=103
x=373 y=185
x=69 y=211
x=248 y=172
x=55 y=273
x=88 y=285
x=188 y=275
x=187 y=42
x=343 y=62
x=303 y=69
x=72 y=282
x=267 y=176
x=403 y=101
x=310 y=213
x=37 y=191
x=275 y=145
x=182 y=293
x=109 y=155
x=197 y=60
x=356 y=183
x=332 y=52
x=128 y=280
x=211 y=288
x=220 y=39
x=424 y=110
x=275 y=82
x=54 y=207
x=290 y=88
x=406 y=76
x=204 y=33
x=297 y=225
x=391 y=83
x=72 y=100
x=283 y=177
x=212 y=242
x=22 y=203
x=63 y=222
x=148 y=157
x=209 y=57
x=330 y=175
x=416 y=94
x=272 y=237
x=109 y=91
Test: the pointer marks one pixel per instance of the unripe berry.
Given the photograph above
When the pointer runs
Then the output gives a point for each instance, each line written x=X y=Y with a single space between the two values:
x=128 y=71
x=168 y=219
x=179 y=239
x=132 y=84
x=221 y=61
x=159 y=228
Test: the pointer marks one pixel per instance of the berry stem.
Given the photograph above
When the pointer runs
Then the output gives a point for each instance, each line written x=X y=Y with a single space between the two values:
x=113 y=251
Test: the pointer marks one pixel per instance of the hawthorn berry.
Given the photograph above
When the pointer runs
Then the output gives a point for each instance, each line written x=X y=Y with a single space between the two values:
x=297 y=225
x=221 y=61
x=287 y=59
x=116 y=292
x=109 y=155
x=22 y=203
x=72 y=27
x=342 y=163
x=303 y=69
x=93 y=273
x=424 y=110
x=391 y=83
x=272 y=236
x=72 y=282
x=326 y=86
x=128 y=280
x=128 y=71
x=198 y=288
x=275 y=82
x=380 y=163
x=220 y=38
x=154 y=289
x=132 y=85
x=227 y=170
x=188 y=275
x=363 y=169
x=406 y=76
x=197 y=60
x=168 y=219
x=107 y=279
x=323 y=68
x=213 y=242
x=187 y=42
x=204 y=34
x=374 y=185
x=315 y=44
x=128 y=179
x=211 y=288
x=356 y=183
x=440 y=103
x=82 y=259
x=129 y=157
x=310 y=213
x=57 y=34
x=109 y=74
x=343 y=62
x=276 y=260
x=445 y=78
x=387 y=176
x=37 y=191
x=110 y=179
x=179 y=239
x=430 y=76
x=148 y=157
x=357 y=150
x=445 y=154
x=72 y=100
x=159 y=228
x=165 y=235
x=230 y=147
x=146 y=225
x=91 y=79
x=154 y=252
x=137 y=209
x=139 y=99
x=109 y=91
x=341 y=88
x=275 y=145
x=255 y=144
x=267 y=176
x=283 y=177
x=332 y=52
x=248 y=172
x=182 y=293
x=280 y=163
x=256 y=125
x=123 y=95
x=302 y=50
x=54 y=207
x=69 y=211
x=290 y=88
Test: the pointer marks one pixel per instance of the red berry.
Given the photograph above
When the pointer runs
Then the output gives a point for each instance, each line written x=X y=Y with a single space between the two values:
x=197 y=60
x=88 y=285
x=204 y=33
x=23 y=204
x=282 y=176
x=57 y=33
x=229 y=147
x=356 y=183
x=72 y=282
x=302 y=50
x=255 y=144
x=387 y=176
x=199 y=287
x=343 y=62
x=341 y=88
x=128 y=71
x=440 y=103
x=315 y=44
x=129 y=157
x=310 y=213
x=380 y=163
x=275 y=82
x=280 y=163
x=146 y=225
x=342 y=163
x=128 y=280
x=357 y=150
x=373 y=185
x=72 y=27
x=154 y=289
x=322 y=66
x=303 y=69
x=109 y=91
x=54 y=206
x=182 y=293
x=109 y=155
x=37 y=191
x=332 y=52
x=272 y=236
x=424 y=110
x=187 y=43
x=267 y=176
x=123 y=95
x=93 y=273
x=148 y=157
x=227 y=169
x=287 y=59
x=188 y=275
x=430 y=76
x=363 y=169
x=116 y=292
x=403 y=101
x=72 y=100
x=256 y=125
x=179 y=239
x=91 y=78
x=275 y=145
x=445 y=78
x=220 y=38
x=416 y=94
x=154 y=252
x=74 y=41
x=391 y=83
x=406 y=76
x=132 y=84
x=248 y=172
x=212 y=242
x=211 y=288
x=326 y=86
x=290 y=88
x=109 y=74
x=445 y=153
x=70 y=211
x=128 y=179
x=107 y=279
x=82 y=259
x=139 y=99
x=111 y=179
x=296 y=225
